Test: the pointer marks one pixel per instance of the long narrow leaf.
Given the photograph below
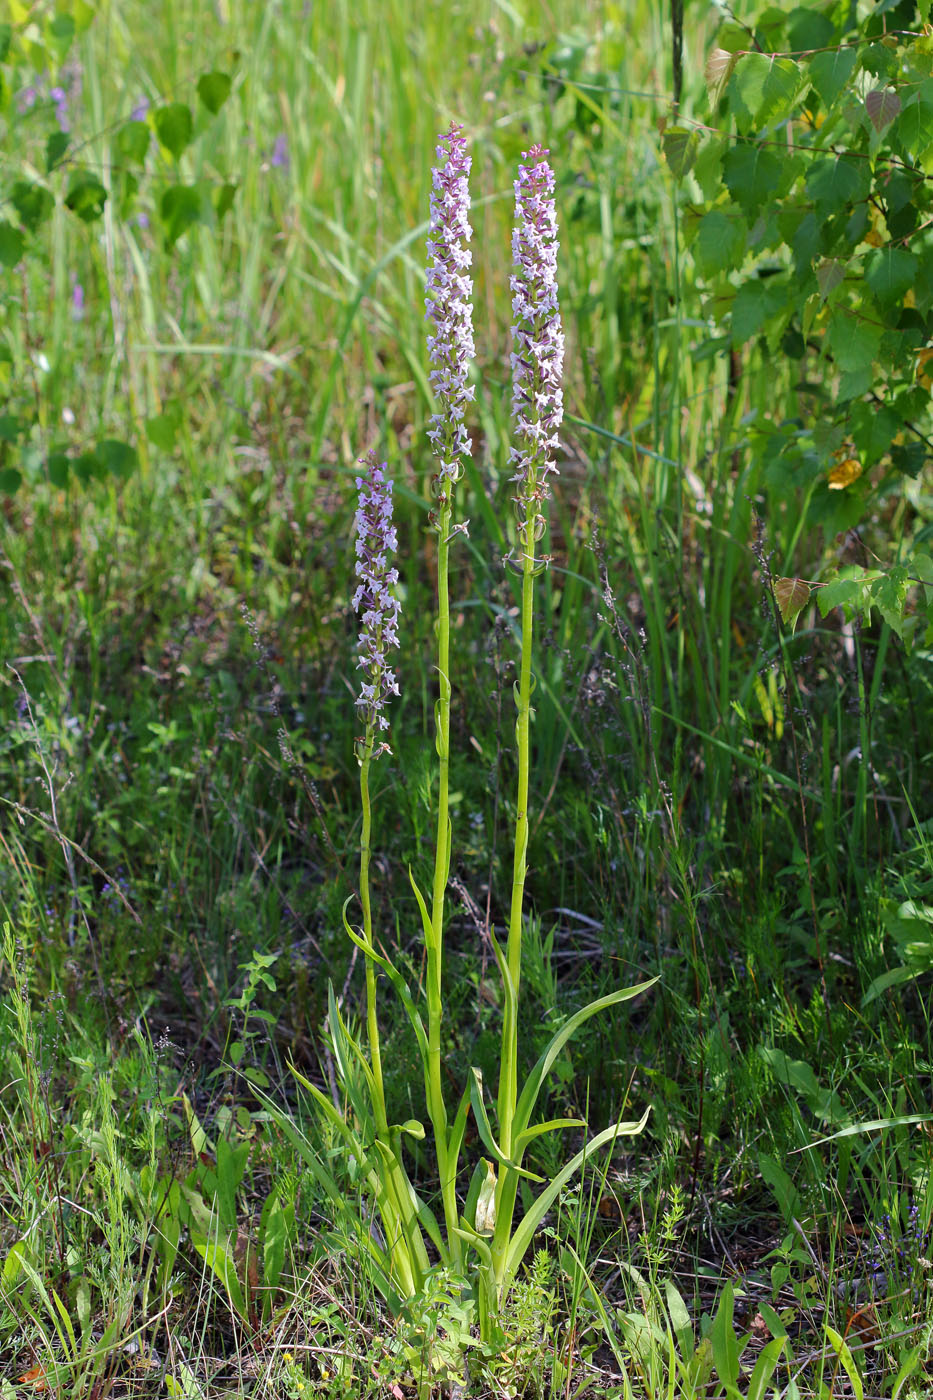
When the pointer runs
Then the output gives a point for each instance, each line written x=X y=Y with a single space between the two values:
x=485 y=1131
x=532 y=1088
x=535 y=1214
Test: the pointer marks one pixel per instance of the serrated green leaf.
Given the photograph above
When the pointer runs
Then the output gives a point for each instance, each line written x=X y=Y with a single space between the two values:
x=754 y=175
x=830 y=71
x=174 y=127
x=720 y=242
x=808 y=29
x=680 y=146
x=756 y=302
x=853 y=340
x=213 y=90
x=873 y=429
x=913 y=129
x=763 y=89
x=838 y=183
x=889 y=273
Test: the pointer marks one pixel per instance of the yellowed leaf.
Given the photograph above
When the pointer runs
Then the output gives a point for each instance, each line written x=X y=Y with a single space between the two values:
x=844 y=473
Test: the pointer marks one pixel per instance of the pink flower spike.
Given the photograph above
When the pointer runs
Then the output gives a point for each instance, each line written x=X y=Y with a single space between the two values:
x=377 y=606
x=537 y=337
x=448 y=303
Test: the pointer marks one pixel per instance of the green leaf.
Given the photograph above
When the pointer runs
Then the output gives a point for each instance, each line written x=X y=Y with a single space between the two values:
x=58 y=469
x=763 y=89
x=720 y=242
x=889 y=595
x=87 y=467
x=174 y=127
x=680 y=146
x=854 y=342
x=33 y=203
x=890 y=272
x=86 y=198
x=223 y=199
x=118 y=458
x=180 y=210
x=213 y=90
x=726 y=1350
x=754 y=176
x=913 y=129
x=808 y=29
x=829 y=72
x=532 y=1085
x=11 y=427
x=133 y=141
x=11 y=244
x=838 y=183
x=161 y=430
x=10 y=481
x=756 y=302
x=873 y=429
x=524 y=1234
x=55 y=148
x=797 y=1075
x=6 y=38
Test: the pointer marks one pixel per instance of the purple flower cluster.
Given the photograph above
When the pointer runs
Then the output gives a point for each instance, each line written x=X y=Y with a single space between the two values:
x=449 y=305
x=537 y=338
x=373 y=599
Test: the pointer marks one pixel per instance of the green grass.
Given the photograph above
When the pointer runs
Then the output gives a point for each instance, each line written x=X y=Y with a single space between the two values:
x=701 y=805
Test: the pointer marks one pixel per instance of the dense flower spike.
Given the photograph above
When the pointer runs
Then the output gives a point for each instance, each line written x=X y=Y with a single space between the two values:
x=537 y=338
x=449 y=306
x=373 y=599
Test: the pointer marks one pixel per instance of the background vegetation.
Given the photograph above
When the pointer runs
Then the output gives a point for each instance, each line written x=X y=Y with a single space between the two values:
x=212 y=230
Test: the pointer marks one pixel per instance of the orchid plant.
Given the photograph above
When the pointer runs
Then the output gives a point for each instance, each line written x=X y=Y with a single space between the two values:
x=474 y=1237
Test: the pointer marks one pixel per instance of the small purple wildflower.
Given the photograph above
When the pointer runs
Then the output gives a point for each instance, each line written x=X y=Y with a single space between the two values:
x=26 y=100
x=77 y=301
x=140 y=111
x=280 y=157
x=373 y=599
x=449 y=306
x=537 y=338
x=60 y=97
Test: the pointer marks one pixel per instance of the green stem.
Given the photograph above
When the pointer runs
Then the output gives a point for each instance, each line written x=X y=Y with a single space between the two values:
x=435 y=952
x=372 y=1021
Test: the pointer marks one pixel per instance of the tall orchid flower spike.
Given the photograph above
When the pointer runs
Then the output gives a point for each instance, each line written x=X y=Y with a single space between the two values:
x=449 y=309
x=449 y=312
x=537 y=341
x=378 y=608
x=377 y=605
